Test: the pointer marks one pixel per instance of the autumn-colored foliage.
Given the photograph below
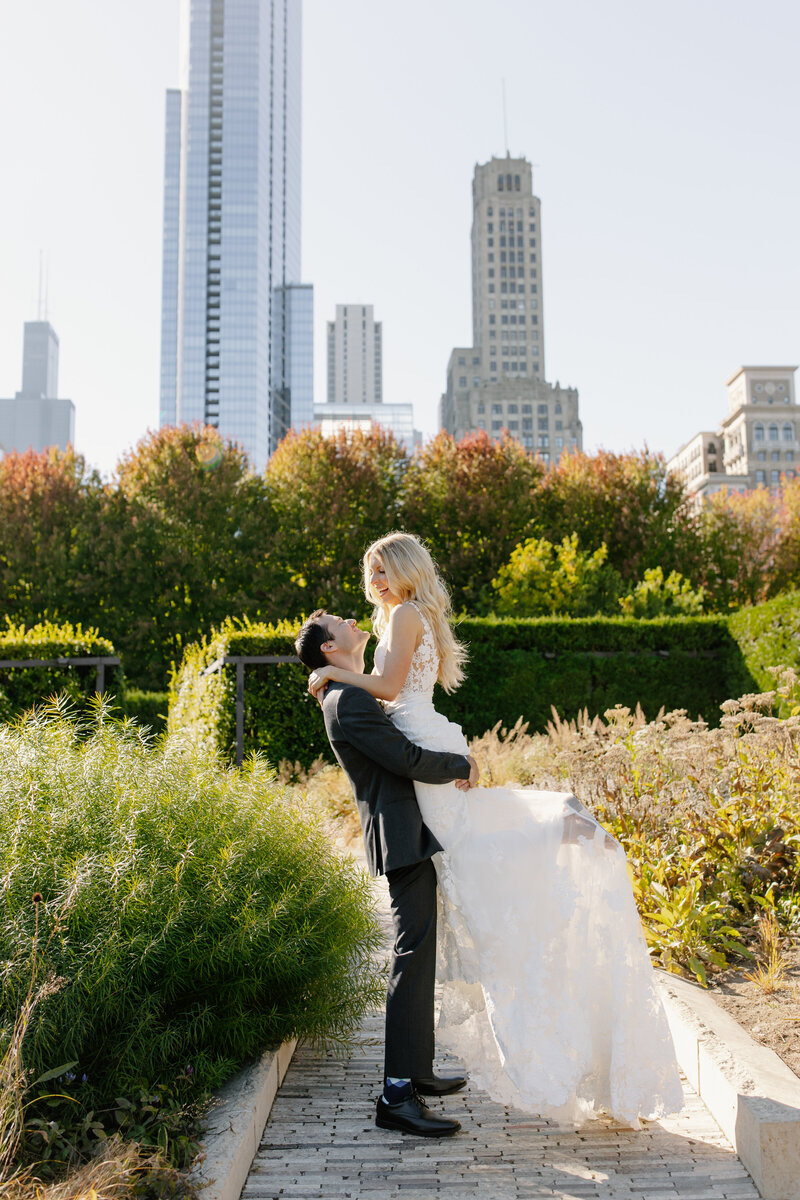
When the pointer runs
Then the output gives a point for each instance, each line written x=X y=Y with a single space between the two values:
x=626 y=501
x=185 y=534
x=473 y=501
x=331 y=497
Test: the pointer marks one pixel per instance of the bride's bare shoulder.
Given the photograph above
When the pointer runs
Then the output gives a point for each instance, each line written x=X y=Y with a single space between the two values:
x=405 y=624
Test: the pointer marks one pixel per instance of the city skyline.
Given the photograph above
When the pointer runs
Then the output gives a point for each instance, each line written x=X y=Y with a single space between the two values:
x=668 y=195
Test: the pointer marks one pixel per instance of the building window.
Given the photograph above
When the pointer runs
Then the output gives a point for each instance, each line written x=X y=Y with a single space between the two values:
x=527 y=424
x=527 y=408
x=497 y=426
x=559 y=425
x=788 y=433
x=758 y=433
x=513 y=408
x=761 y=476
x=476 y=381
x=776 y=456
x=773 y=433
x=492 y=366
x=513 y=426
x=492 y=319
x=497 y=408
x=462 y=362
x=491 y=272
x=542 y=423
x=462 y=381
x=481 y=424
x=481 y=407
x=476 y=360
x=761 y=456
x=491 y=287
x=775 y=476
x=789 y=456
x=542 y=408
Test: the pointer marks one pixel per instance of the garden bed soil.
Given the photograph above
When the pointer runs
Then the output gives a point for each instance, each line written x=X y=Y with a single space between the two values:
x=772 y=1019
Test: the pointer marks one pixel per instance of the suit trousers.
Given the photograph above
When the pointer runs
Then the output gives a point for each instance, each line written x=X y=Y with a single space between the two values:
x=412 y=972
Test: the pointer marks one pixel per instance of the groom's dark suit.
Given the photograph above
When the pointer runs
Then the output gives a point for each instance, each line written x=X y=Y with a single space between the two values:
x=381 y=764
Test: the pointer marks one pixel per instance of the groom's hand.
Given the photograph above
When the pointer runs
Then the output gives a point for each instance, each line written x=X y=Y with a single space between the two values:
x=464 y=785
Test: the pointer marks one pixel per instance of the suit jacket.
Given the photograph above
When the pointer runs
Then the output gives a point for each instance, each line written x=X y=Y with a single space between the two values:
x=381 y=763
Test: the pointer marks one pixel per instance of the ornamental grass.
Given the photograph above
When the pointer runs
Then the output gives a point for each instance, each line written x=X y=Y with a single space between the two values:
x=191 y=915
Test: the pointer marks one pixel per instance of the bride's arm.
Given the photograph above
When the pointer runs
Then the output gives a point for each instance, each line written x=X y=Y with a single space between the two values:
x=404 y=634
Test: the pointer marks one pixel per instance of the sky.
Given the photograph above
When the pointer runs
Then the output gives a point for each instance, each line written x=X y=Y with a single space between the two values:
x=664 y=142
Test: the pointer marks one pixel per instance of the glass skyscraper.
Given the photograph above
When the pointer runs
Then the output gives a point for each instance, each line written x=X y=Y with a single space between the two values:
x=232 y=221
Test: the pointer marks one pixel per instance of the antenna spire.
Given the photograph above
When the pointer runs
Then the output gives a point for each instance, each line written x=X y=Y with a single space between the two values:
x=505 y=119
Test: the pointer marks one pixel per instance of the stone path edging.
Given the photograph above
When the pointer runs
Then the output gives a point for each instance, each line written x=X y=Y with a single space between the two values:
x=235 y=1123
x=750 y=1092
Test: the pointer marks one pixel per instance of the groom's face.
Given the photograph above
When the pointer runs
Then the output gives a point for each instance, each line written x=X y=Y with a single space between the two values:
x=344 y=636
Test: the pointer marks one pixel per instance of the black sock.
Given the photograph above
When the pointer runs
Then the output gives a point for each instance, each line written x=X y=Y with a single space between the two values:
x=395 y=1091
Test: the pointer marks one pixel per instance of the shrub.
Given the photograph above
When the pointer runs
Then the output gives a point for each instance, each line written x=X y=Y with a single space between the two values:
x=21 y=687
x=281 y=720
x=540 y=578
x=769 y=635
x=656 y=596
x=472 y=501
x=190 y=918
x=527 y=668
x=517 y=669
x=148 y=709
x=709 y=818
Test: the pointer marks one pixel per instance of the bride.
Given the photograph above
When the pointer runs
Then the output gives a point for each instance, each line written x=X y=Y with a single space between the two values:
x=547 y=987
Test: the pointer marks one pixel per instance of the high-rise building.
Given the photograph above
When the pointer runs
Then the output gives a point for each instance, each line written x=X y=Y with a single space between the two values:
x=36 y=418
x=355 y=361
x=293 y=355
x=756 y=445
x=355 y=380
x=498 y=384
x=232 y=221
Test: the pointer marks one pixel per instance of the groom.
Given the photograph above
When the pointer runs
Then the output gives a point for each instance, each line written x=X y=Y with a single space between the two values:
x=381 y=764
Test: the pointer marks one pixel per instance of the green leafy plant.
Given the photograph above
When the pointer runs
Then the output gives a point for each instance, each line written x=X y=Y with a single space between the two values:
x=540 y=578
x=657 y=595
x=203 y=917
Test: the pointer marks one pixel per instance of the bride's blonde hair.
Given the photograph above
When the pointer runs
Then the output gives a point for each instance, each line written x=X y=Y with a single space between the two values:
x=412 y=575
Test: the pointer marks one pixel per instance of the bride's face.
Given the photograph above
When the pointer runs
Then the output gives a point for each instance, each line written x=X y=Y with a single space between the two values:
x=379 y=583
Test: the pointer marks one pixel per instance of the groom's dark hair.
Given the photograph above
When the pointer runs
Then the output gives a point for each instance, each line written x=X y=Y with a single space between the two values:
x=308 y=643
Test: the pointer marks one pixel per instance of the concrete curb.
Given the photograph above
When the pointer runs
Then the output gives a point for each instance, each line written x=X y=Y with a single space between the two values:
x=235 y=1123
x=751 y=1094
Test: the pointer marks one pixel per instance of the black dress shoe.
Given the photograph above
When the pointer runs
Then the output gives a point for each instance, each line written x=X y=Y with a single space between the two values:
x=439 y=1085
x=413 y=1116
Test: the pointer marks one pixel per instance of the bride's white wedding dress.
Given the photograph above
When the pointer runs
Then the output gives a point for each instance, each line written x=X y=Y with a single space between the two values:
x=548 y=991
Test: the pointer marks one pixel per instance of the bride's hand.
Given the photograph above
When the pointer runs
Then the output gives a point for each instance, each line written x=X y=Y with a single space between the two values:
x=318 y=681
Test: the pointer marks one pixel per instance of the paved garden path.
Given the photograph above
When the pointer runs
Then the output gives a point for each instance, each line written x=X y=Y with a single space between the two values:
x=321 y=1142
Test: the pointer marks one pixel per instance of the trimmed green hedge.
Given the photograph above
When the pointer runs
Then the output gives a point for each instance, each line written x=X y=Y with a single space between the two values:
x=517 y=668
x=526 y=667
x=148 y=709
x=769 y=636
x=22 y=687
x=281 y=720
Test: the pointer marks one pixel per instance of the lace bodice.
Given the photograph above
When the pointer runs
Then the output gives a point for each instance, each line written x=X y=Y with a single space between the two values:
x=424 y=667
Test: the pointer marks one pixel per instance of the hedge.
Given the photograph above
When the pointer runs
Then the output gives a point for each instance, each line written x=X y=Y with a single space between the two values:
x=769 y=636
x=517 y=668
x=281 y=720
x=22 y=687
